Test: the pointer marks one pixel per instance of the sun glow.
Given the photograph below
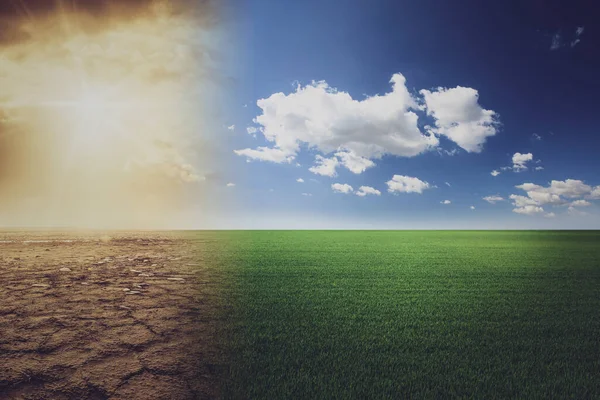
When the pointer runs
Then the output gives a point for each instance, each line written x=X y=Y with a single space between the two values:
x=101 y=116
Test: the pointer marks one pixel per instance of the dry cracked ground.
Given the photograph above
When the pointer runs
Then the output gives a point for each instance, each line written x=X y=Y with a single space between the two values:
x=107 y=316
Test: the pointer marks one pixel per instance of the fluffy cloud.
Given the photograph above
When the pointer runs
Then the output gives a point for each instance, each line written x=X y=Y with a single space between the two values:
x=325 y=166
x=300 y=180
x=520 y=161
x=581 y=203
x=529 y=210
x=556 y=193
x=251 y=130
x=406 y=184
x=230 y=184
x=342 y=188
x=459 y=116
x=493 y=199
x=472 y=207
x=365 y=190
x=495 y=173
x=445 y=202
x=358 y=131
x=353 y=162
x=231 y=127
x=570 y=188
x=595 y=194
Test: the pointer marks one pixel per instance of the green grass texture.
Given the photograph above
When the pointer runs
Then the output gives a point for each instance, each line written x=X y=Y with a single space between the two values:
x=412 y=314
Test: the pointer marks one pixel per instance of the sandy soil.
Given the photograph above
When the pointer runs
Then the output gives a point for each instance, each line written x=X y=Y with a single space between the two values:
x=106 y=316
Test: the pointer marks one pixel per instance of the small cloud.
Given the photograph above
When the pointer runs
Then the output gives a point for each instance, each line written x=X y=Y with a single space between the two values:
x=406 y=184
x=342 y=188
x=449 y=185
x=556 y=42
x=245 y=106
x=230 y=184
x=472 y=207
x=325 y=166
x=550 y=215
x=300 y=180
x=365 y=190
x=493 y=199
x=578 y=33
x=535 y=136
x=251 y=130
x=445 y=202
x=528 y=210
x=495 y=173
x=307 y=194
x=520 y=161
x=539 y=168
x=581 y=203
x=231 y=127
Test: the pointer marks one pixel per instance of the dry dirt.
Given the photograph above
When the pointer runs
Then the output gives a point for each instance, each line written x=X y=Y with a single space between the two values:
x=107 y=316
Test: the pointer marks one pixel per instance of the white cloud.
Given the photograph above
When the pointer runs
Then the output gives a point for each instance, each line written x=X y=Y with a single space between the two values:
x=300 y=180
x=251 y=130
x=448 y=184
x=365 y=190
x=265 y=154
x=231 y=127
x=595 y=194
x=353 y=162
x=230 y=184
x=472 y=207
x=342 y=188
x=445 y=202
x=495 y=173
x=535 y=136
x=556 y=42
x=520 y=161
x=460 y=117
x=529 y=210
x=578 y=33
x=406 y=184
x=581 y=203
x=554 y=194
x=523 y=201
x=358 y=131
x=325 y=166
x=571 y=188
x=493 y=199
x=307 y=194
x=539 y=168
x=550 y=215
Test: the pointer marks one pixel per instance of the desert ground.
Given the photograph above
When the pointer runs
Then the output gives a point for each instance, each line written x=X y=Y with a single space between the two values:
x=105 y=315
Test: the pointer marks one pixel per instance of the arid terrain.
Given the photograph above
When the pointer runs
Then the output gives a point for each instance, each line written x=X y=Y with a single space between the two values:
x=107 y=316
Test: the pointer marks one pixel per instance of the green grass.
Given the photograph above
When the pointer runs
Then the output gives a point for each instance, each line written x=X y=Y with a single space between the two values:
x=413 y=314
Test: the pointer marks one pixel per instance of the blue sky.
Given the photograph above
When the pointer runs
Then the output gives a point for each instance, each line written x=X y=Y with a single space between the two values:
x=533 y=65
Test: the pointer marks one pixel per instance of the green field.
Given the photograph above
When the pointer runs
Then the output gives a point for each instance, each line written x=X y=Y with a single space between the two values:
x=413 y=314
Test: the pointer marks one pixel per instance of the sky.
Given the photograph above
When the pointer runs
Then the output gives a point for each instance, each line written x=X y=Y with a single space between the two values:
x=413 y=115
x=256 y=114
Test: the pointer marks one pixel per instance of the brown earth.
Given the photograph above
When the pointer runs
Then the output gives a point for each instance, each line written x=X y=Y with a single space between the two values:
x=107 y=316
